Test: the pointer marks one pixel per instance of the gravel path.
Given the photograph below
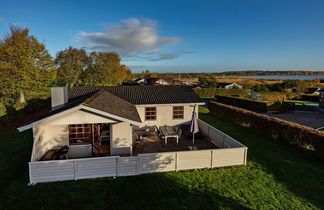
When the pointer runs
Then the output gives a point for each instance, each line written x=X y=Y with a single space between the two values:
x=310 y=119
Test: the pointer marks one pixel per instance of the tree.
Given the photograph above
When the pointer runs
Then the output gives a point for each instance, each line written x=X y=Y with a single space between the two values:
x=105 y=69
x=71 y=65
x=26 y=67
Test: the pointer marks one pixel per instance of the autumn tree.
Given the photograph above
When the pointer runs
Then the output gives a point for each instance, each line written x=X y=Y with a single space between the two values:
x=71 y=65
x=106 y=69
x=26 y=67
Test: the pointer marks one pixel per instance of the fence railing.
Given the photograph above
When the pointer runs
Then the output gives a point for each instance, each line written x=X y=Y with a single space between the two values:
x=230 y=153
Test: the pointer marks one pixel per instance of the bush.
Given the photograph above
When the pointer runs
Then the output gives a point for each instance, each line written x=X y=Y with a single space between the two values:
x=212 y=91
x=242 y=103
x=283 y=131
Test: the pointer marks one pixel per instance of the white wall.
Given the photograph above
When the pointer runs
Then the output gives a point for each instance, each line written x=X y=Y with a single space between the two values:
x=121 y=138
x=47 y=137
x=79 y=117
x=165 y=115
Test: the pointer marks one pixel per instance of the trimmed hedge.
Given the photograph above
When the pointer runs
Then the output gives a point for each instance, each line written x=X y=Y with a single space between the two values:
x=314 y=98
x=242 y=103
x=283 y=131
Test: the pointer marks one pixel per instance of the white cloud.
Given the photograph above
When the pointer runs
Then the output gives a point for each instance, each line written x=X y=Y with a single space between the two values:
x=131 y=38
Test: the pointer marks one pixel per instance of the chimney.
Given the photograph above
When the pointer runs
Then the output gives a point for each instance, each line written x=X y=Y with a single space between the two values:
x=59 y=96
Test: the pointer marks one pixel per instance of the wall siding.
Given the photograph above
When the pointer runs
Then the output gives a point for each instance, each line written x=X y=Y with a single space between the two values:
x=46 y=137
x=80 y=117
x=121 y=138
x=165 y=115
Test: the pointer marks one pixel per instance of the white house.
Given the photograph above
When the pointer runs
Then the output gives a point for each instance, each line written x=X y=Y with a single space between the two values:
x=106 y=127
x=229 y=85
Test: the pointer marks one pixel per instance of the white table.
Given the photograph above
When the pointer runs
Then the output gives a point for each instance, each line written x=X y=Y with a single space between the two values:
x=169 y=132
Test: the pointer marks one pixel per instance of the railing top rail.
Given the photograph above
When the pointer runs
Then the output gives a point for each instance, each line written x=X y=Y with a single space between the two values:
x=201 y=121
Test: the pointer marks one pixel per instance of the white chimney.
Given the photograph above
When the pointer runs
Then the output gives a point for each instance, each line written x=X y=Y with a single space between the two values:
x=59 y=96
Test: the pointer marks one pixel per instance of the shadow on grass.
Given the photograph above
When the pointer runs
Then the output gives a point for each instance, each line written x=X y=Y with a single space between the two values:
x=299 y=171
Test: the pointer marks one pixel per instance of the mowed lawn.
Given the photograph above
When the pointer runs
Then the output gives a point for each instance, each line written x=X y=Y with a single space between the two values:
x=275 y=177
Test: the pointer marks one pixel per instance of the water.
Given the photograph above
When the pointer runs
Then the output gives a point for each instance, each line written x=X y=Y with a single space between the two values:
x=287 y=77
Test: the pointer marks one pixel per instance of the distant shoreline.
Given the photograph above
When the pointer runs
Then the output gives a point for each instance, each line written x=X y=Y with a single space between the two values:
x=279 y=77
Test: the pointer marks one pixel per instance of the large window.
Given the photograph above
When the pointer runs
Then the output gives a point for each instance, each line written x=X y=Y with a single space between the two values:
x=80 y=134
x=178 y=112
x=150 y=113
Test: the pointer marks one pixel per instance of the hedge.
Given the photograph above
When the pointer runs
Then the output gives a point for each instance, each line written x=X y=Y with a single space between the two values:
x=242 y=103
x=313 y=98
x=301 y=137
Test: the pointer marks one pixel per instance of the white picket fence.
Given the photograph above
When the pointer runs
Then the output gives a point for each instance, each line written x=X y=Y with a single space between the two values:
x=230 y=153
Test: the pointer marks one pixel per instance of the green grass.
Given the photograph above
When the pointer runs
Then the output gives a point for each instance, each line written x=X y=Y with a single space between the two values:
x=275 y=177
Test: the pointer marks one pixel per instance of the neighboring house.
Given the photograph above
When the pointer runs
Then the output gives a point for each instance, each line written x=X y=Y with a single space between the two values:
x=321 y=99
x=229 y=85
x=102 y=126
x=152 y=81
x=156 y=81
x=141 y=81
x=314 y=91
x=186 y=83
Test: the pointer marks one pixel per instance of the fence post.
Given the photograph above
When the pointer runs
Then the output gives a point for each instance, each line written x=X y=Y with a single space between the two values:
x=137 y=166
x=176 y=161
x=117 y=168
x=30 y=175
x=75 y=170
x=245 y=155
x=211 y=158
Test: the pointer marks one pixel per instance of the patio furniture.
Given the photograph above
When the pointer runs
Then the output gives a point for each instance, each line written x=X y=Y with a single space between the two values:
x=169 y=132
x=56 y=153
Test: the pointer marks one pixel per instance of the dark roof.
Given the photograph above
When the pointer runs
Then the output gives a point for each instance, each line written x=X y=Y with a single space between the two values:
x=100 y=100
x=107 y=102
x=121 y=100
x=143 y=94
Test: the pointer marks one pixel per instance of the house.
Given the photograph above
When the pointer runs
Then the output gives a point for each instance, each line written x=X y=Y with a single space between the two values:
x=156 y=81
x=229 y=85
x=314 y=91
x=321 y=99
x=116 y=131
x=152 y=81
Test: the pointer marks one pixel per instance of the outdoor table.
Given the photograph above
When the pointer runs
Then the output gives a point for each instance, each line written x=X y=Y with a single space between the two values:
x=169 y=132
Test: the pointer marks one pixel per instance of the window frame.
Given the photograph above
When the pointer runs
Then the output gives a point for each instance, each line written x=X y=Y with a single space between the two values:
x=76 y=131
x=145 y=114
x=176 y=118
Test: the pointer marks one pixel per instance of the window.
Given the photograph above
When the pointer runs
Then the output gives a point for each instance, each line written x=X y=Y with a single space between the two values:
x=178 y=112
x=80 y=134
x=150 y=113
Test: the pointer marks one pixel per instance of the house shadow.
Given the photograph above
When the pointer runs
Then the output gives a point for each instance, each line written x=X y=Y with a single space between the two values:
x=34 y=108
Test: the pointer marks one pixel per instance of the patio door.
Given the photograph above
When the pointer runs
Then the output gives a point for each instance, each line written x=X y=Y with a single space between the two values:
x=101 y=139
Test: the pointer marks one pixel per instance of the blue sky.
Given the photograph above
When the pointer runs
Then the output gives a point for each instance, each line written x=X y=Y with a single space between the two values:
x=181 y=36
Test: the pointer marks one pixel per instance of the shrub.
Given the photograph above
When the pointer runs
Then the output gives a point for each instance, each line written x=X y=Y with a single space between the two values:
x=283 y=131
x=242 y=103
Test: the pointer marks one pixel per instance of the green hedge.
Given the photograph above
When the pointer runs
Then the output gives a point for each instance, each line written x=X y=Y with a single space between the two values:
x=299 y=136
x=242 y=103
x=210 y=92
x=314 y=98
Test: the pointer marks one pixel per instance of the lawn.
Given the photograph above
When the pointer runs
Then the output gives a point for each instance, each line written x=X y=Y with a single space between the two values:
x=275 y=177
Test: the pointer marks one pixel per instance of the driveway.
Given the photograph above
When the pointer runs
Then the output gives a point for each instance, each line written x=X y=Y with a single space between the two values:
x=310 y=119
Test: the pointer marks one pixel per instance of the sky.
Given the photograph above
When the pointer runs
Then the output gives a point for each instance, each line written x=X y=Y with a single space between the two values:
x=181 y=36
